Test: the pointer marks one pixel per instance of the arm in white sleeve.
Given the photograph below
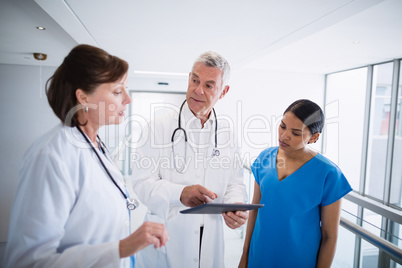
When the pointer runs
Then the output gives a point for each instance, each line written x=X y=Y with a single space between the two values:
x=160 y=195
x=45 y=198
x=236 y=189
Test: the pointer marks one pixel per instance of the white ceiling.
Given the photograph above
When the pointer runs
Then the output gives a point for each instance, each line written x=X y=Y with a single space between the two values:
x=309 y=36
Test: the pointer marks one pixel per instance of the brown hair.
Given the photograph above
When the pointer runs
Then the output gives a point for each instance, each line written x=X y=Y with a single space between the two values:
x=85 y=67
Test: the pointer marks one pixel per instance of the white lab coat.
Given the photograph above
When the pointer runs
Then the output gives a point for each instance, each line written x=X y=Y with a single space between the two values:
x=66 y=212
x=158 y=185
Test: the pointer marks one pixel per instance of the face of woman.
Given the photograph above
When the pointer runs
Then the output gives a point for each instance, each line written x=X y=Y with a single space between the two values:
x=293 y=135
x=108 y=102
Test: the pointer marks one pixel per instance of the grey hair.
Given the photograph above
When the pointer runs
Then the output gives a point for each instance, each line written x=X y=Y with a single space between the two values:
x=213 y=59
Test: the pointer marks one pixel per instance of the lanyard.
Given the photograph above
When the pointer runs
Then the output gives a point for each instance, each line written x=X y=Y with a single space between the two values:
x=131 y=204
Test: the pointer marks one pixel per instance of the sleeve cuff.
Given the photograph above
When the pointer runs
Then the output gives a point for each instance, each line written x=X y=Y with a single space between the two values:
x=116 y=253
x=176 y=193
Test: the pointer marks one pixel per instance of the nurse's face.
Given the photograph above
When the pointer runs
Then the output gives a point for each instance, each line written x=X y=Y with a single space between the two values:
x=293 y=134
x=107 y=103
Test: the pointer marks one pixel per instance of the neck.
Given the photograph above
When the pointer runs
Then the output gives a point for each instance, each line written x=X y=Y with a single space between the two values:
x=90 y=128
x=203 y=120
x=91 y=131
x=202 y=117
x=299 y=155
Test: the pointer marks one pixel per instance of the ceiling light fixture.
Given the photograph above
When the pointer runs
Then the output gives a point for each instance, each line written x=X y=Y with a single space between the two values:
x=356 y=42
x=41 y=28
x=40 y=56
x=160 y=73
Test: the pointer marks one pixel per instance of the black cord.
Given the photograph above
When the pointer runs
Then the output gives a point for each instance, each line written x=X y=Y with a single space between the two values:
x=216 y=129
x=103 y=164
x=184 y=131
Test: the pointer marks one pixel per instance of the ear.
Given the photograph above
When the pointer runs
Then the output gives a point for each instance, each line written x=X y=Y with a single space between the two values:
x=224 y=92
x=314 y=138
x=81 y=96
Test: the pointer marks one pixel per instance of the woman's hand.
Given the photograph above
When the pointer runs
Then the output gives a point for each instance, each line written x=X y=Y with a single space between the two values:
x=147 y=234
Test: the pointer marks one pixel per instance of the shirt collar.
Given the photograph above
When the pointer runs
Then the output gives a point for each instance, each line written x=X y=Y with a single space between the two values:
x=195 y=122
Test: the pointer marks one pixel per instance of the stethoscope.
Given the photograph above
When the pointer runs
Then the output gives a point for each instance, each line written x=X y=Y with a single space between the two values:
x=215 y=151
x=131 y=202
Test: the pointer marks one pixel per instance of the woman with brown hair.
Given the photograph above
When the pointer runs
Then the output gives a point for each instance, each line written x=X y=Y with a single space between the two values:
x=71 y=208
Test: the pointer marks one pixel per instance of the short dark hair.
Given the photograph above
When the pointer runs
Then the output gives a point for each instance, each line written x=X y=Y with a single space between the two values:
x=85 y=67
x=309 y=113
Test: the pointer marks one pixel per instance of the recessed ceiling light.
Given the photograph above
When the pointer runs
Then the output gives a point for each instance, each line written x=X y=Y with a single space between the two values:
x=40 y=56
x=40 y=28
x=356 y=42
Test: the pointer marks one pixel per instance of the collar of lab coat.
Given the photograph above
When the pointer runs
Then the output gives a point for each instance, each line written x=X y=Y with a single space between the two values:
x=192 y=125
x=74 y=135
x=192 y=122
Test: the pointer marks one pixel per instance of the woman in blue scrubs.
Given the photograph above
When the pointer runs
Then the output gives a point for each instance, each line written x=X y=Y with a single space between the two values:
x=301 y=190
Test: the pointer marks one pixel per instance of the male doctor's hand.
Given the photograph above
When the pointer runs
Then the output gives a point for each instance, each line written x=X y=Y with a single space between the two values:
x=235 y=219
x=195 y=195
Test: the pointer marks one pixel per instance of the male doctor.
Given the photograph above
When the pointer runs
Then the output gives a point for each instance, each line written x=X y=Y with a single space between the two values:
x=171 y=174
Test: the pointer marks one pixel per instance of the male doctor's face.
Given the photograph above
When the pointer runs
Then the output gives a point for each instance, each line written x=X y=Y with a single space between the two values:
x=204 y=90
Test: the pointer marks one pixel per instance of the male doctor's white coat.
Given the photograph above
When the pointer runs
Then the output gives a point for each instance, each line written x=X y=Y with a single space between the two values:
x=159 y=185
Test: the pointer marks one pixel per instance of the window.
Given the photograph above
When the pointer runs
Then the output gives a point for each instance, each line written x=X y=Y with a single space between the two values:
x=396 y=177
x=345 y=102
x=378 y=132
x=364 y=134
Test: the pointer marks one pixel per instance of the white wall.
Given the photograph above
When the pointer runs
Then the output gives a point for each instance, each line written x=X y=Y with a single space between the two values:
x=257 y=99
x=24 y=116
x=255 y=102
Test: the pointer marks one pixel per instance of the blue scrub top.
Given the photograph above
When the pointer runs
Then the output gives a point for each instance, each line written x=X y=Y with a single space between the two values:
x=287 y=231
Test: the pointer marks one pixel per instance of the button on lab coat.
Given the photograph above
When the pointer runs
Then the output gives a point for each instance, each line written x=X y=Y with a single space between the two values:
x=158 y=185
x=66 y=212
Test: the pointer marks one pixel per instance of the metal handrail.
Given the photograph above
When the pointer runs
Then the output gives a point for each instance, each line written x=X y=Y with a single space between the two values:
x=392 y=250
x=383 y=210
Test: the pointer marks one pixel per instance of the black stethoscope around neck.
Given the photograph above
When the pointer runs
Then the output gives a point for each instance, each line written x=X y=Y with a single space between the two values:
x=215 y=151
x=131 y=202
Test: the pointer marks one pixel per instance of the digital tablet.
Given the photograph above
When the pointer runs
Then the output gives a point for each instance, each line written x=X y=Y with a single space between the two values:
x=214 y=208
